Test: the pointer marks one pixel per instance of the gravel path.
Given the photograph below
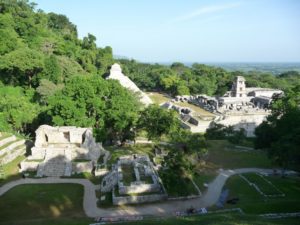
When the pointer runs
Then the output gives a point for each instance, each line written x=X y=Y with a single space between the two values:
x=209 y=198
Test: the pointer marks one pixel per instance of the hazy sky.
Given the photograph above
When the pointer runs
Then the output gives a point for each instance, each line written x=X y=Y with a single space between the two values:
x=189 y=30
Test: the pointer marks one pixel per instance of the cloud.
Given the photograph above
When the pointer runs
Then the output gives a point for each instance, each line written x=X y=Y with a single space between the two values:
x=204 y=11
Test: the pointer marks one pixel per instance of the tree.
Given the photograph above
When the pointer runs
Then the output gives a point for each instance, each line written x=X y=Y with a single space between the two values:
x=21 y=66
x=89 y=42
x=280 y=134
x=52 y=70
x=17 y=110
x=94 y=102
x=158 y=121
x=47 y=89
x=189 y=142
x=9 y=41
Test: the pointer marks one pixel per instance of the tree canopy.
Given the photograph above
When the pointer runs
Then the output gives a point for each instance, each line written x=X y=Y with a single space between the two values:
x=178 y=79
x=280 y=133
x=94 y=102
x=35 y=45
x=158 y=121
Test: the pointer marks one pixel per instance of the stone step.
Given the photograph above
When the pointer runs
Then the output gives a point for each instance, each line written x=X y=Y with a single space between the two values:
x=7 y=140
x=11 y=146
x=13 y=154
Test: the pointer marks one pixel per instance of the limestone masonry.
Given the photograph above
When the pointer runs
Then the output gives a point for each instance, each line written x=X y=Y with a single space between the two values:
x=116 y=74
x=133 y=180
x=57 y=149
x=241 y=107
x=11 y=147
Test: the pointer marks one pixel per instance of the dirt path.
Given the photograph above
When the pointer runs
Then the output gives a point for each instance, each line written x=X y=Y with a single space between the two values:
x=90 y=201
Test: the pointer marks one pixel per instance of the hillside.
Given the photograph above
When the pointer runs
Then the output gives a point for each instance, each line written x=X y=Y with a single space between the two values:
x=35 y=45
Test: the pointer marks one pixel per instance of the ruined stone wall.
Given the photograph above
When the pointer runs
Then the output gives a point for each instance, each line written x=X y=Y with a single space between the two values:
x=94 y=149
x=29 y=166
x=12 y=146
x=37 y=153
x=138 y=199
x=7 y=140
x=140 y=188
x=248 y=122
x=81 y=167
x=11 y=155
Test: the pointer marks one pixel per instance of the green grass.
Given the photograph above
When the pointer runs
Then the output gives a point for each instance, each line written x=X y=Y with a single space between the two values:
x=107 y=203
x=158 y=98
x=11 y=170
x=204 y=177
x=116 y=152
x=176 y=185
x=216 y=219
x=147 y=179
x=222 y=154
x=128 y=174
x=197 y=109
x=9 y=143
x=87 y=175
x=4 y=135
x=262 y=184
x=43 y=204
x=248 y=142
x=250 y=201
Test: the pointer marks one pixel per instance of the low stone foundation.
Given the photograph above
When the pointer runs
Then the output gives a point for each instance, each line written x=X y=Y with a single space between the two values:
x=29 y=166
x=81 y=167
x=101 y=172
x=137 y=199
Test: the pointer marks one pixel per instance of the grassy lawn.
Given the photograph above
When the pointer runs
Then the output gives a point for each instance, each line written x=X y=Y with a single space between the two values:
x=262 y=184
x=197 y=109
x=222 y=154
x=11 y=170
x=177 y=186
x=147 y=179
x=128 y=174
x=43 y=204
x=107 y=202
x=116 y=152
x=87 y=175
x=250 y=201
x=204 y=177
x=158 y=98
x=216 y=219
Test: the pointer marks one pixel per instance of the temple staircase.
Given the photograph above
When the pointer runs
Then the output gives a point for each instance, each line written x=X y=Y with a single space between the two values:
x=2 y=173
x=57 y=163
x=11 y=147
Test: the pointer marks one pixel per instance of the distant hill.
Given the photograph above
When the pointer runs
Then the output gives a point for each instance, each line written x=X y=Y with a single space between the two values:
x=274 y=68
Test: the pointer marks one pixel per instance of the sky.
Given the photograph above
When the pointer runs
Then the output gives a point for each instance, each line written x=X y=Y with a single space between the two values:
x=189 y=30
